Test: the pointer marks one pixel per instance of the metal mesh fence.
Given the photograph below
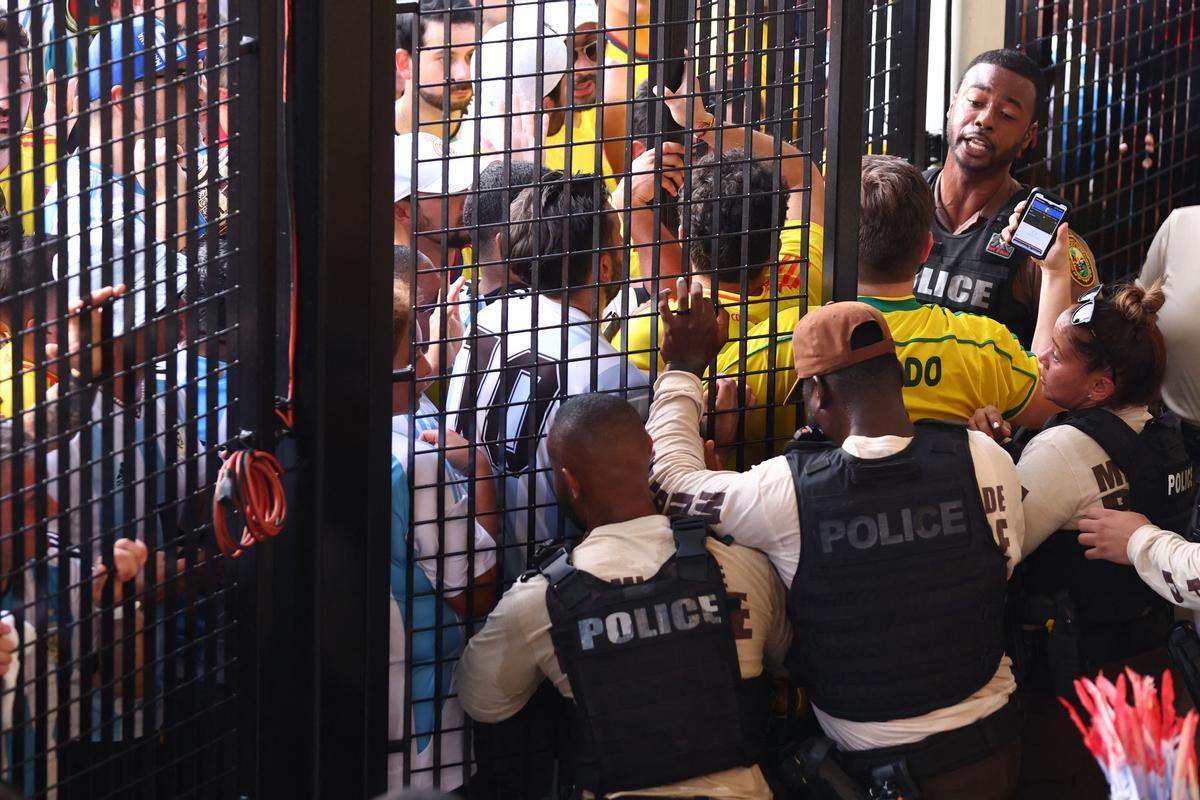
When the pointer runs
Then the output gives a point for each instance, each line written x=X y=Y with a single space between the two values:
x=545 y=195
x=1120 y=139
x=557 y=166
x=119 y=148
x=897 y=42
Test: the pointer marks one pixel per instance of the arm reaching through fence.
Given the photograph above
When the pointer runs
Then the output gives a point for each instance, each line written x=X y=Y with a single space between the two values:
x=129 y=559
x=644 y=234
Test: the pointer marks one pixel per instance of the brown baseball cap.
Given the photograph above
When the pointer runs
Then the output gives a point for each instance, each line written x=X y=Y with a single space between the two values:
x=821 y=341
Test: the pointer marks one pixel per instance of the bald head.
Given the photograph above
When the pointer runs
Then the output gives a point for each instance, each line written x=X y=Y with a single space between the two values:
x=595 y=432
x=600 y=452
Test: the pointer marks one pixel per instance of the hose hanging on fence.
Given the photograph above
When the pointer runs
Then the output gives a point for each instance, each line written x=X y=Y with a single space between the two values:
x=248 y=482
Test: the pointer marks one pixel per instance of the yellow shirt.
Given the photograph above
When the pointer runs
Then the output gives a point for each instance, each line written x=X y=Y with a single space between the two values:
x=616 y=54
x=28 y=382
x=953 y=364
x=584 y=143
x=635 y=336
x=29 y=198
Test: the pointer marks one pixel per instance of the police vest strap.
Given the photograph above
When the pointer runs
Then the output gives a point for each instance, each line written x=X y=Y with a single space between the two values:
x=807 y=440
x=1193 y=532
x=1155 y=462
x=564 y=578
x=691 y=556
x=543 y=554
x=872 y=472
x=1115 y=438
x=945 y=444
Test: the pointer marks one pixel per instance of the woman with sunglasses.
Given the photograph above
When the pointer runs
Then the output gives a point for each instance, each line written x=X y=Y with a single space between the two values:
x=1105 y=365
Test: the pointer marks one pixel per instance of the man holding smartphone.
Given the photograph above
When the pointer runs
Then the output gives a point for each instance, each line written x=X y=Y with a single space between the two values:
x=992 y=119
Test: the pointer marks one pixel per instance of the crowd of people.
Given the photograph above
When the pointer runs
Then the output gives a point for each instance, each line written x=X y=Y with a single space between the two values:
x=114 y=372
x=626 y=554
x=665 y=523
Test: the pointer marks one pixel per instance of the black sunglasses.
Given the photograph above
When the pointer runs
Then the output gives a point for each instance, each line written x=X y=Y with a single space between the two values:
x=1083 y=316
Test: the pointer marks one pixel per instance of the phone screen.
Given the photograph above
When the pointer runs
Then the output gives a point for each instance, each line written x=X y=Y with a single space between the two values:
x=1038 y=224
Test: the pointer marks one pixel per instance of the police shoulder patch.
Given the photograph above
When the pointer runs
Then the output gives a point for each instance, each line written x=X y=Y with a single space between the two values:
x=998 y=247
x=1083 y=263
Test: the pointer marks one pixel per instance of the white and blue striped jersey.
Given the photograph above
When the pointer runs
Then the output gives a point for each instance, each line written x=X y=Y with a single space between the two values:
x=436 y=551
x=146 y=268
x=101 y=485
x=207 y=376
x=114 y=474
x=526 y=355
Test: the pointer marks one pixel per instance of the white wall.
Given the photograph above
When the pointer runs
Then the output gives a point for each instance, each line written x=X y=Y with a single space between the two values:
x=939 y=51
x=975 y=26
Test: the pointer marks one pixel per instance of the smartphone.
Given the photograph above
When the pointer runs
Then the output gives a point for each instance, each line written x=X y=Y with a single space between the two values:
x=1039 y=222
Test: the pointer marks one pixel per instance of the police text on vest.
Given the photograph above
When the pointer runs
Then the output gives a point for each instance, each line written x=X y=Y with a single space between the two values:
x=865 y=532
x=962 y=289
x=620 y=627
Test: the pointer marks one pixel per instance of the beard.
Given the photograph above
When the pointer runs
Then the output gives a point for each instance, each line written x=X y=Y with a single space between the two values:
x=439 y=98
x=438 y=219
x=1000 y=160
x=459 y=239
x=452 y=238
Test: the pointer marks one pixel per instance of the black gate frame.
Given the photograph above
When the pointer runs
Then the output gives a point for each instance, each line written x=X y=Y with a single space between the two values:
x=323 y=647
x=319 y=637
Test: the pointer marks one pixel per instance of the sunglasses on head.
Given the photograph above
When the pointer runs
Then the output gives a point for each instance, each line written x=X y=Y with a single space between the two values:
x=1083 y=316
x=1087 y=306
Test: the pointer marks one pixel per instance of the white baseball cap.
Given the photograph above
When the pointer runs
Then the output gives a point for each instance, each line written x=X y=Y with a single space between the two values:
x=493 y=58
x=556 y=14
x=435 y=161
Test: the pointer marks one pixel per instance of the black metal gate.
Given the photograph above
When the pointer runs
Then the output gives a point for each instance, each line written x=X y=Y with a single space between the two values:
x=1121 y=137
x=243 y=204
x=134 y=142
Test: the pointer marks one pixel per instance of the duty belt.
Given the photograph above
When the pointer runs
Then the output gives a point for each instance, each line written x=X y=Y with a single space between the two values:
x=941 y=752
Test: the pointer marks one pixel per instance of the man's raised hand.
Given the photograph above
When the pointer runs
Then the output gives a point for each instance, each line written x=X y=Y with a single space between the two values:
x=695 y=331
x=645 y=174
x=91 y=311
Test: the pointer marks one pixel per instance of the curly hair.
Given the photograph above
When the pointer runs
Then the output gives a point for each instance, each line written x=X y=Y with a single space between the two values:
x=735 y=209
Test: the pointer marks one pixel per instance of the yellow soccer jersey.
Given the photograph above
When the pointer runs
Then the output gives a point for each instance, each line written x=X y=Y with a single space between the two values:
x=30 y=199
x=635 y=337
x=616 y=54
x=953 y=364
x=583 y=144
x=28 y=380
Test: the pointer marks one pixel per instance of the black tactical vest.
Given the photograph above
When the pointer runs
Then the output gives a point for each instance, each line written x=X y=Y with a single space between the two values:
x=898 y=599
x=654 y=671
x=1161 y=486
x=973 y=271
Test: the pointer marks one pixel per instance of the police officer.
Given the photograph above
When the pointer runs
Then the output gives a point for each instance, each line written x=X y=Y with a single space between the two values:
x=660 y=634
x=896 y=540
x=1105 y=364
x=992 y=119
